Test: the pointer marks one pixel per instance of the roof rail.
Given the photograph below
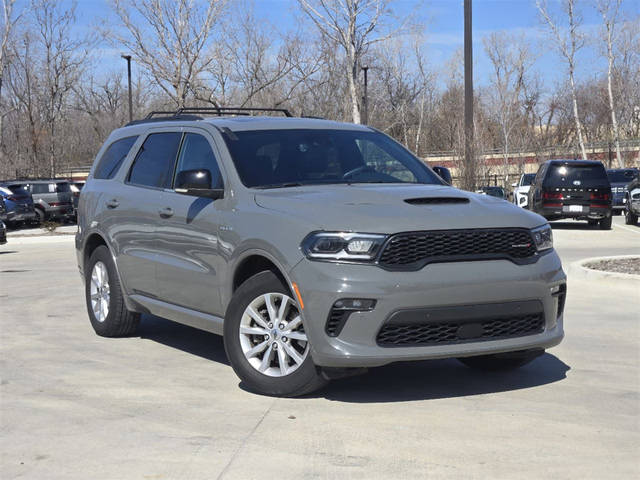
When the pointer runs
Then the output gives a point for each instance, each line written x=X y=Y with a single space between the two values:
x=220 y=111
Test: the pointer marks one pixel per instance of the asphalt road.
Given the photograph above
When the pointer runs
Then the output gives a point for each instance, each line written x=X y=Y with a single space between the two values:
x=166 y=404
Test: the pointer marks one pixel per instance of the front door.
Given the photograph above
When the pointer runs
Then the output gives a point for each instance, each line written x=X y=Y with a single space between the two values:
x=189 y=263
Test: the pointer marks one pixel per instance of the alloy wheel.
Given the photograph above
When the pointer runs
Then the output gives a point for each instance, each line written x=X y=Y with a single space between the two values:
x=272 y=336
x=100 y=291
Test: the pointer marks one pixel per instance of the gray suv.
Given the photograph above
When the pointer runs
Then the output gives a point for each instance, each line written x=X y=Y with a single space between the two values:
x=52 y=199
x=315 y=248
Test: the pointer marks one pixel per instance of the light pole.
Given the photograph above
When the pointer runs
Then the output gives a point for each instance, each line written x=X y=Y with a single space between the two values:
x=469 y=173
x=128 y=59
x=365 y=99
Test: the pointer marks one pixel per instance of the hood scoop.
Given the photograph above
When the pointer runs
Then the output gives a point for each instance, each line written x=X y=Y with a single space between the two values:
x=436 y=200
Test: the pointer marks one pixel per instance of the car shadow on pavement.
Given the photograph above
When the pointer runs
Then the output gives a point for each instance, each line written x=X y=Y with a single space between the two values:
x=182 y=337
x=573 y=226
x=435 y=379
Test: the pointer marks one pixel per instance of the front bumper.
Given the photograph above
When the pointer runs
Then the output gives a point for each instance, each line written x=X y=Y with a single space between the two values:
x=436 y=285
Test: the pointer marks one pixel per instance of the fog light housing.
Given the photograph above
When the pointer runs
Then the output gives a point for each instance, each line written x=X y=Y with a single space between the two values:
x=342 y=310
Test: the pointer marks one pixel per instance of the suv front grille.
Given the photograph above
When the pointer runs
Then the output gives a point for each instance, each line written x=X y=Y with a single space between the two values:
x=413 y=250
x=441 y=333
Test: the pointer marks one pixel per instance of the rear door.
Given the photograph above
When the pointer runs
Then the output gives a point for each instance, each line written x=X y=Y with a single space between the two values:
x=133 y=210
x=190 y=261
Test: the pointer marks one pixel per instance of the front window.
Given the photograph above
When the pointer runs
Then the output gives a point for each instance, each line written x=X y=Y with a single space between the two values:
x=280 y=158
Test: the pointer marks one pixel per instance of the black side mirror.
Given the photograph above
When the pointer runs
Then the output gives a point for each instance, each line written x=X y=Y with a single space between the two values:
x=443 y=173
x=197 y=183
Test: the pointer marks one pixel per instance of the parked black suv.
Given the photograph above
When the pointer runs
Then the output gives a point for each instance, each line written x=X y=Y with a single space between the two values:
x=577 y=189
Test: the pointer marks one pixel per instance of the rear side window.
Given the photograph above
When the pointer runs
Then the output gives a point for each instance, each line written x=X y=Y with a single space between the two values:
x=40 y=188
x=112 y=158
x=153 y=166
x=196 y=154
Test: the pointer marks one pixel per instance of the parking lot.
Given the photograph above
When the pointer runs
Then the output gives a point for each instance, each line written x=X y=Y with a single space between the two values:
x=165 y=404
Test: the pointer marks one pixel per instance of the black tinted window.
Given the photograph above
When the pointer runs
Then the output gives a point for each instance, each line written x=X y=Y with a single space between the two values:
x=63 y=188
x=576 y=175
x=153 y=166
x=196 y=154
x=281 y=157
x=112 y=158
x=40 y=188
x=621 y=176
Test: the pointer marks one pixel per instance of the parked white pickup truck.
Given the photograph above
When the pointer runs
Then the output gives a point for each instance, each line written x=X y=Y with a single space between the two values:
x=521 y=189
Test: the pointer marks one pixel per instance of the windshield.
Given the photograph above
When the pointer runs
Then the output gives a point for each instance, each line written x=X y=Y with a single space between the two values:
x=621 y=176
x=283 y=158
x=527 y=178
x=19 y=190
x=576 y=176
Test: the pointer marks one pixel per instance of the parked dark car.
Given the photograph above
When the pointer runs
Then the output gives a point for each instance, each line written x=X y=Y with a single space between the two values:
x=52 y=198
x=18 y=206
x=497 y=192
x=619 y=178
x=577 y=189
x=632 y=201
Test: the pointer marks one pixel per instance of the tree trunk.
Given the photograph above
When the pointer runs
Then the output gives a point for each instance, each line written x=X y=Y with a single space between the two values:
x=353 y=91
x=614 y=121
x=576 y=118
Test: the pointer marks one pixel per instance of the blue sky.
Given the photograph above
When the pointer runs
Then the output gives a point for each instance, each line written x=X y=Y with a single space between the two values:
x=443 y=20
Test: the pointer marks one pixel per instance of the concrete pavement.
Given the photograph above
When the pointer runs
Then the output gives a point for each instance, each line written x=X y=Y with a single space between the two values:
x=166 y=405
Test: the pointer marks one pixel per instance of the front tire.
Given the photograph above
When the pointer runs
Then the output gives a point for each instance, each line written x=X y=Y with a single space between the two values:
x=105 y=303
x=265 y=339
x=501 y=361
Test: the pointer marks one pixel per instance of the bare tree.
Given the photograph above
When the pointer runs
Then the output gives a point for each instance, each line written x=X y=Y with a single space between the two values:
x=609 y=10
x=511 y=60
x=354 y=25
x=6 y=51
x=169 y=40
x=569 y=41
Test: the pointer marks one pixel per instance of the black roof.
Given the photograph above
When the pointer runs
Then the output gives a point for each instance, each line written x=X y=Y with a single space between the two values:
x=573 y=162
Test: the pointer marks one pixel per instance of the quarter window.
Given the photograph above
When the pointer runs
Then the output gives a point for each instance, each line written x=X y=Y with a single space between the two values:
x=112 y=158
x=153 y=165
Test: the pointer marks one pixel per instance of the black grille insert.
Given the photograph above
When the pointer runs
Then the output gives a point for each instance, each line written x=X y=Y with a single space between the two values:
x=413 y=250
x=441 y=333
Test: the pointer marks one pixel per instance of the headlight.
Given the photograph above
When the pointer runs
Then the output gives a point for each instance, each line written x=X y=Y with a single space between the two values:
x=543 y=237
x=342 y=246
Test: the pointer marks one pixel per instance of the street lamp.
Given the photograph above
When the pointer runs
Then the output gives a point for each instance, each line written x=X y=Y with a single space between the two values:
x=128 y=59
x=469 y=174
x=365 y=99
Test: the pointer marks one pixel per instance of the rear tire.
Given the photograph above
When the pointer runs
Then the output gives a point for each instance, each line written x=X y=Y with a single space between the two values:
x=605 y=223
x=105 y=303
x=501 y=361
x=41 y=216
x=592 y=223
x=264 y=360
x=629 y=217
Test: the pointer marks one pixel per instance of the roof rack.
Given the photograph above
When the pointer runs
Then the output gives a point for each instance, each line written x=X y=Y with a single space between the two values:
x=193 y=113
x=220 y=111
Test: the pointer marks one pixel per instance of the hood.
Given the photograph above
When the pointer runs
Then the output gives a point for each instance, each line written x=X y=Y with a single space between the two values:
x=377 y=208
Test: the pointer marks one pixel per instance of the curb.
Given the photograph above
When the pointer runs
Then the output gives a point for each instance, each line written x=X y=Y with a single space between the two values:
x=578 y=269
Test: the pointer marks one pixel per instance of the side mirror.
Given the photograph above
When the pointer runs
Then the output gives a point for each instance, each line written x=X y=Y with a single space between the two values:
x=197 y=183
x=443 y=173
x=514 y=185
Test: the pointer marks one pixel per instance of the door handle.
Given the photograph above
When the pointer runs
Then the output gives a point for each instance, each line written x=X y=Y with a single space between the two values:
x=113 y=203
x=166 y=212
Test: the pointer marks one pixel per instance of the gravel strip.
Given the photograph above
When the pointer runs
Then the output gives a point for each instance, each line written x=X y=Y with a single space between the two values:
x=618 y=265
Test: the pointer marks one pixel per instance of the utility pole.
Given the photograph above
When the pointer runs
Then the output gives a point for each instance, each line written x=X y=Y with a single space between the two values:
x=365 y=99
x=469 y=167
x=128 y=59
